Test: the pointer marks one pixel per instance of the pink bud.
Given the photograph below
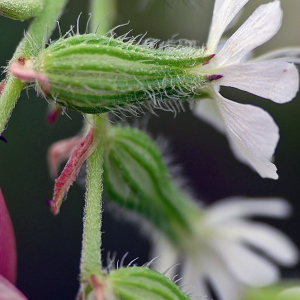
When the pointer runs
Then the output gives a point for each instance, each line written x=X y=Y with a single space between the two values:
x=21 y=71
x=61 y=151
x=71 y=170
x=99 y=293
x=53 y=115
x=8 y=252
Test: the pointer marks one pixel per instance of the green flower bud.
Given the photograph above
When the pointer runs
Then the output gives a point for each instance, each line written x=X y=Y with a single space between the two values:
x=95 y=74
x=21 y=9
x=129 y=284
x=135 y=176
x=143 y=284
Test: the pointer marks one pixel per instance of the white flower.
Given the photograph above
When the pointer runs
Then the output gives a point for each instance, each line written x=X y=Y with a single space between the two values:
x=219 y=250
x=251 y=131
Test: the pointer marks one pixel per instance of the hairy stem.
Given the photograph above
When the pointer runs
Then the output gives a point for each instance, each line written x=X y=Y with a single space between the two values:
x=38 y=33
x=91 y=240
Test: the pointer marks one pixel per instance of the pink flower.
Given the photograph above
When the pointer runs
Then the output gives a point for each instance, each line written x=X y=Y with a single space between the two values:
x=8 y=256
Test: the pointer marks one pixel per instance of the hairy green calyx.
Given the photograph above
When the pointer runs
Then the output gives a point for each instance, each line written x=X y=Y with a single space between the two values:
x=95 y=74
x=131 y=283
x=135 y=177
x=145 y=284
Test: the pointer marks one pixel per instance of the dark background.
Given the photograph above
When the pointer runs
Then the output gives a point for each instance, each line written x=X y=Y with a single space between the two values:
x=48 y=246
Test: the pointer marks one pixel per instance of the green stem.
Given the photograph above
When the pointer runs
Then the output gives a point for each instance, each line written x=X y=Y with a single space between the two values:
x=38 y=33
x=91 y=240
x=103 y=11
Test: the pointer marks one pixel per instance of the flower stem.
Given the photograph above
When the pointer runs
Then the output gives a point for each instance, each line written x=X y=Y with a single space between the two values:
x=103 y=11
x=91 y=241
x=38 y=33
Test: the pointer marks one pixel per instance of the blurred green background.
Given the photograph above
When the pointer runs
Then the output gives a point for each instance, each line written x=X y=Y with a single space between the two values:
x=48 y=246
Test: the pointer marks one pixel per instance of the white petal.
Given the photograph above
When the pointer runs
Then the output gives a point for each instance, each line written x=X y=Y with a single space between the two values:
x=261 y=26
x=274 y=80
x=193 y=279
x=291 y=54
x=217 y=6
x=221 y=44
x=8 y=291
x=233 y=22
x=208 y=265
x=167 y=257
x=252 y=133
x=225 y=285
x=224 y=13
x=240 y=207
x=264 y=237
x=245 y=265
x=208 y=111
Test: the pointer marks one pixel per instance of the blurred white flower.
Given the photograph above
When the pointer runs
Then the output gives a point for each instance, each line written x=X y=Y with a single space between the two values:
x=228 y=249
x=251 y=131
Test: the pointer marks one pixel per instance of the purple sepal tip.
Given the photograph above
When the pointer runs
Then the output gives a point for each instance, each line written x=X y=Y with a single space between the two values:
x=3 y=139
x=209 y=57
x=214 y=77
x=53 y=115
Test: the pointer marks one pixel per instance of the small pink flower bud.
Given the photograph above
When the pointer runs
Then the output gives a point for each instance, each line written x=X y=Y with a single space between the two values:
x=71 y=170
x=21 y=69
x=53 y=115
x=60 y=152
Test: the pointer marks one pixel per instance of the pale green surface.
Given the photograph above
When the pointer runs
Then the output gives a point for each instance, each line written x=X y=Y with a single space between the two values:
x=21 y=9
x=284 y=290
x=102 y=11
x=91 y=241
